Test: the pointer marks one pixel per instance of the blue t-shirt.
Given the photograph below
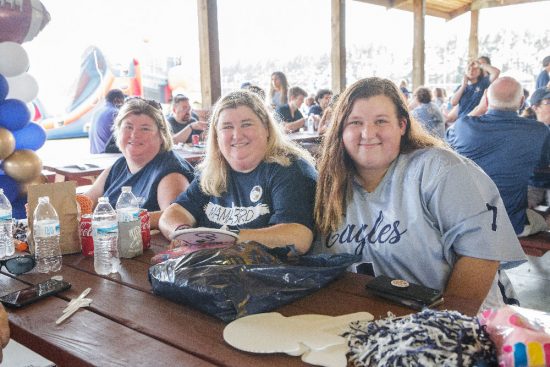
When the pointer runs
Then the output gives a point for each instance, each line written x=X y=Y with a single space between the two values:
x=145 y=182
x=283 y=114
x=429 y=115
x=508 y=148
x=472 y=95
x=315 y=110
x=270 y=194
x=101 y=129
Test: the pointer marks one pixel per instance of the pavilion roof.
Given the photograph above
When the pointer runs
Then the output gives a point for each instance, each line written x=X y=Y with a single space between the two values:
x=447 y=9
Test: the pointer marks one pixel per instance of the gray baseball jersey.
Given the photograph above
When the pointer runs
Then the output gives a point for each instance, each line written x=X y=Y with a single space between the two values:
x=431 y=206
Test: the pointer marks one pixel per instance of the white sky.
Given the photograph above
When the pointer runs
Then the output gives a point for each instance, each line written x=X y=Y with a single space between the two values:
x=250 y=31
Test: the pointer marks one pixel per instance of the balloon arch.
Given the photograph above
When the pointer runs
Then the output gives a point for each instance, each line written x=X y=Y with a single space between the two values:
x=20 y=166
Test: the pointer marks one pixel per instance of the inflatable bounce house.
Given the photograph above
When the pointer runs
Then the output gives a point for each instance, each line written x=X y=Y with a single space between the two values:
x=96 y=79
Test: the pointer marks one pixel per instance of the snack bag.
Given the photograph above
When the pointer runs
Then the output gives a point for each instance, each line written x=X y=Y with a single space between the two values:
x=522 y=335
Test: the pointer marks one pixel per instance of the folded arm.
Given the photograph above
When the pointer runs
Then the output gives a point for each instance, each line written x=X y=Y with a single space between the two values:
x=280 y=235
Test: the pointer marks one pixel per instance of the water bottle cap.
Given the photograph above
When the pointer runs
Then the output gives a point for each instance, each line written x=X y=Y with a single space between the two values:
x=102 y=199
x=43 y=199
x=126 y=188
x=1 y=191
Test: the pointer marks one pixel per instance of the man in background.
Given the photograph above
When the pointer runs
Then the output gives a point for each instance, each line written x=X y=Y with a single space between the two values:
x=539 y=184
x=182 y=123
x=102 y=124
x=507 y=147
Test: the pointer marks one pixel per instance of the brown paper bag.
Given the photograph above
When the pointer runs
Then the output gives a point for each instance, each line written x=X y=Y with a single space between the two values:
x=62 y=197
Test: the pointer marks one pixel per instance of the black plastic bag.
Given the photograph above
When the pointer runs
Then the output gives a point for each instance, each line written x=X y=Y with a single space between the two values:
x=244 y=279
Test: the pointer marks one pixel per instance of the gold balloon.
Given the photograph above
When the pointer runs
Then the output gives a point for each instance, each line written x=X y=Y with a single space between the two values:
x=24 y=187
x=7 y=143
x=23 y=165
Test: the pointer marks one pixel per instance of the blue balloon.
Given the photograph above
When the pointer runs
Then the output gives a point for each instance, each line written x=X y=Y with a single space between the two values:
x=4 y=88
x=10 y=187
x=14 y=114
x=32 y=137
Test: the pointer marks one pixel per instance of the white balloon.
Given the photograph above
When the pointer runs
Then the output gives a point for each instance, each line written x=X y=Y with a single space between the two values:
x=22 y=87
x=13 y=59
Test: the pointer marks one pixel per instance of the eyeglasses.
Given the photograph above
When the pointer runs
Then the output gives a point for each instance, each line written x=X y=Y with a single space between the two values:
x=150 y=102
x=19 y=265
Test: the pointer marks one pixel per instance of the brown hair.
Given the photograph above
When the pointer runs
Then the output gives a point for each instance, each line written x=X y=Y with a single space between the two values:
x=337 y=169
x=153 y=109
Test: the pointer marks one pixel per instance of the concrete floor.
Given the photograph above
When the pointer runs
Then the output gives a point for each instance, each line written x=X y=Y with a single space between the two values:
x=532 y=282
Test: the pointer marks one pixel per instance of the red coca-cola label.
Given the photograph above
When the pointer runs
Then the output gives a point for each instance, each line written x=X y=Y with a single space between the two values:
x=85 y=232
x=145 y=228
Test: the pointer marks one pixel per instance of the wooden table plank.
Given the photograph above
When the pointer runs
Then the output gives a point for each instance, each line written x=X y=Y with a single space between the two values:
x=87 y=338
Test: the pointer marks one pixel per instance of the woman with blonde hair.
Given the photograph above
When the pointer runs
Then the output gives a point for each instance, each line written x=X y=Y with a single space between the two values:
x=278 y=90
x=253 y=179
x=412 y=208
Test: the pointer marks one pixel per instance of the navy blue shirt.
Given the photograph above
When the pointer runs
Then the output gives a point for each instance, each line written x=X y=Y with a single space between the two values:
x=145 y=182
x=508 y=148
x=176 y=127
x=315 y=110
x=472 y=95
x=270 y=194
x=283 y=114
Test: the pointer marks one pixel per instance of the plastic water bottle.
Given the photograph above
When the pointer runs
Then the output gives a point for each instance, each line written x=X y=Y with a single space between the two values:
x=46 y=237
x=105 y=234
x=130 y=243
x=6 y=226
x=310 y=124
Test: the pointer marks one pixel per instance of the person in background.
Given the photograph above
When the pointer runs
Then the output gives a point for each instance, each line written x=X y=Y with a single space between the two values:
x=543 y=79
x=427 y=113
x=326 y=119
x=322 y=100
x=278 y=90
x=248 y=179
x=539 y=184
x=4 y=330
x=440 y=99
x=309 y=101
x=182 y=125
x=148 y=163
x=413 y=209
x=404 y=90
x=102 y=124
x=479 y=75
x=289 y=114
x=507 y=147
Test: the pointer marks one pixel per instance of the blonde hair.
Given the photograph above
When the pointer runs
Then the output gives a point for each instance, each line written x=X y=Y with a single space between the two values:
x=280 y=149
x=337 y=169
x=152 y=109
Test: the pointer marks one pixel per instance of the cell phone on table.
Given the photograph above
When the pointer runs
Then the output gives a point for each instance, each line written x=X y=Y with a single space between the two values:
x=34 y=293
x=406 y=293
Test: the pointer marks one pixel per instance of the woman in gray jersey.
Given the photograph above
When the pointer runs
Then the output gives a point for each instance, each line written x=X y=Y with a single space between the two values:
x=412 y=208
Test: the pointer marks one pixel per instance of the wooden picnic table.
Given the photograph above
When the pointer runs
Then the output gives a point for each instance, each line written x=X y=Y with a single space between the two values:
x=128 y=325
x=87 y=170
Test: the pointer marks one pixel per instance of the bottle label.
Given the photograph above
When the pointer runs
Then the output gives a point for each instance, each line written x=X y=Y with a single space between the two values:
x=5 y=215
x=107 y=229
x=46 y=229
x=127 y=215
